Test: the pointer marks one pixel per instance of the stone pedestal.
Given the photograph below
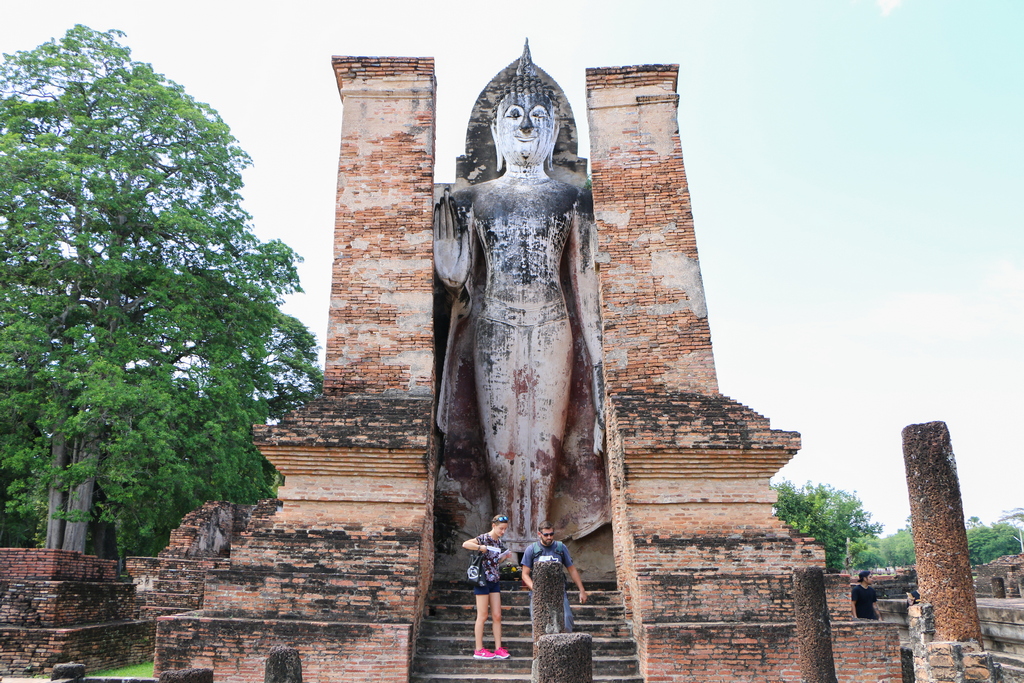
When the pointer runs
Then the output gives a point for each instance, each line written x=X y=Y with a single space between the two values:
x=564 y=658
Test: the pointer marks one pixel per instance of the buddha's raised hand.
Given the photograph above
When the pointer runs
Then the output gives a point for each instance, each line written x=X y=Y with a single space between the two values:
x=452 y=243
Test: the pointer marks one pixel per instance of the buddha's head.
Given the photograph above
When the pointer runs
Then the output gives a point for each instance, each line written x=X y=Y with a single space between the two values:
x=525 y=123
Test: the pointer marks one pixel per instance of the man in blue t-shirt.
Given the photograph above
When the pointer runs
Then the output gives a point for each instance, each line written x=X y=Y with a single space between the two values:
x=550 y=550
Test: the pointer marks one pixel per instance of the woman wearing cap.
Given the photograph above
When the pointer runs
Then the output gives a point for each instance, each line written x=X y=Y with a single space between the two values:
x=490 y=595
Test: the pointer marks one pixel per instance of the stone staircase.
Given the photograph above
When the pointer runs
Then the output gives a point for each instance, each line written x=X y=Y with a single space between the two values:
x=444 y=650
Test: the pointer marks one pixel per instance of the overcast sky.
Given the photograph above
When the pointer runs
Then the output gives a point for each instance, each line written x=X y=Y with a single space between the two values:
x=854 y=165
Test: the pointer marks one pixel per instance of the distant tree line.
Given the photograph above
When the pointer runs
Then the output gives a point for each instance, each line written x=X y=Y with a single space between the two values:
x=838 y=520
x=140 y=334
x=984 y=544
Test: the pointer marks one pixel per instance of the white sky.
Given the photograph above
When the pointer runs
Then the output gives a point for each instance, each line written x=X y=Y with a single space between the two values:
x=854 y=166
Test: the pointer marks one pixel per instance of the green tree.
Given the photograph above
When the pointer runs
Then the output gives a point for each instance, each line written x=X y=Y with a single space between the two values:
x=139 y=331
x=895 y=550
x=987 y=543
x=1015 y=518
x=828 y=514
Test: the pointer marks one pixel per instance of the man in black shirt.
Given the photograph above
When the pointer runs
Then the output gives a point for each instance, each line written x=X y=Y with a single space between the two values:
x=863 y=598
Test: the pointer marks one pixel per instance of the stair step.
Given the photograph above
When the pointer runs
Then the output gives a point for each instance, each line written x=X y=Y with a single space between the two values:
x=587 y=611
x=604 y=627
x=429 y=664
x=507 y=677
x=518 y=646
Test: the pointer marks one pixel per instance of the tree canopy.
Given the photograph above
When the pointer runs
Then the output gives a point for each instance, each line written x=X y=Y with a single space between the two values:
x=140 y=335
x=829 y=515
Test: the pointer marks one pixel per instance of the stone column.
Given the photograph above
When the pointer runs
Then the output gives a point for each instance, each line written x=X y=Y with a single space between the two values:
x=187 y=676
x=813 y=629
x=564 y=658
x=548 y=600
x=940 y=539
x=998 y=587
x=283 y=666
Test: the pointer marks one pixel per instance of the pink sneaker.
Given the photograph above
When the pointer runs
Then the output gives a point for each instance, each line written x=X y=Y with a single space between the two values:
x=501 y=653
x=484 y=653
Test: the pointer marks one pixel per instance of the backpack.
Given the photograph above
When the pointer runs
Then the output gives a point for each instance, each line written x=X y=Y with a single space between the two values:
x=558 y=547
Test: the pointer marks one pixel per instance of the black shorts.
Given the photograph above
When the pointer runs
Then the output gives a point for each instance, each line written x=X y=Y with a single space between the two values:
x=491 y=587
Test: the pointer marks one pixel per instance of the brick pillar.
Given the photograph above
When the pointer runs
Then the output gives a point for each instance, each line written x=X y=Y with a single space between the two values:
x=548 y=600
x=940 y=539
x=813 y=629
x=380 y=329
x=655 y=316
x=363 y=444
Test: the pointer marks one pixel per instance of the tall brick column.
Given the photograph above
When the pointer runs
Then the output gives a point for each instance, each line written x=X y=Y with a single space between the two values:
x=940 y=538
x=339 y=572
x=380 y=328
x=705 y=567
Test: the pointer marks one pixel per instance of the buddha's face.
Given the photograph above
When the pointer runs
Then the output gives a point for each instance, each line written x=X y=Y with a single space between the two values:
x=525 y=129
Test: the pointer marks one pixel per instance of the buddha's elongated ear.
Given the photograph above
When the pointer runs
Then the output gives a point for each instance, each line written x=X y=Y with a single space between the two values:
x=550 y=161
x=497 y=145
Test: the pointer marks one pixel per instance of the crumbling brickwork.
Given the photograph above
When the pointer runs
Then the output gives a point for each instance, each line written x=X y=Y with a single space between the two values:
x=237 y=649
x=207 y=531
x=1010 y=568
x=54 y=565
x=380 y=331
x=59 y=606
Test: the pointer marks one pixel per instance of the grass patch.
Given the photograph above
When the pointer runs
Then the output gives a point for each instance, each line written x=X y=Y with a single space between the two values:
x=144 y=670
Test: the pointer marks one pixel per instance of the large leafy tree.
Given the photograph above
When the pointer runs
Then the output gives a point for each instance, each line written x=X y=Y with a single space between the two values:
x=139 y=331
x=829 y=515
x=895 y=550
x=987 y=543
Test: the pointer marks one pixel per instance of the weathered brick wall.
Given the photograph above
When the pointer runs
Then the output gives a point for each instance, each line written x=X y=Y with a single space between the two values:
x=64 y=603
x=34 y=651
x=656 y=327
x=1010 y=568
x=207 y=531
x=331 y=652
x=340 y=574
x=164 y=585
x=865 y=652
x=37 y=564
x=380 y=329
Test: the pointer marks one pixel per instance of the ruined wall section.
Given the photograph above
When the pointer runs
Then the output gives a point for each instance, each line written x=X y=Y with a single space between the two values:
x=380 y=330
x=655 y=316
x=61 y=606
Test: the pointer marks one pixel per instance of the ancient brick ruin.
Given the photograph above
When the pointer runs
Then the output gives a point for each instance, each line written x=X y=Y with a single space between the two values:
x=342 y=570
x=61 y=606
x=1009 y=568
x=174 y=581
